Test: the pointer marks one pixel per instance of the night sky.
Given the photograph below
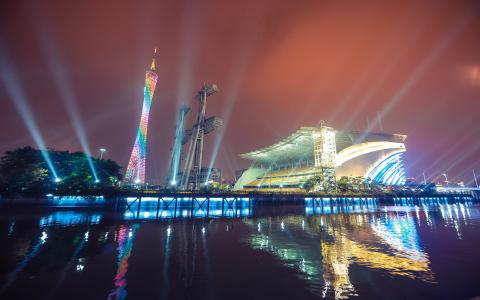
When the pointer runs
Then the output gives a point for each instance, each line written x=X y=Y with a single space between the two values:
x=279 y=64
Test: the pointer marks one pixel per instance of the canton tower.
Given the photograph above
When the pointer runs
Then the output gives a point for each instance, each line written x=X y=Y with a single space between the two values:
x=136 y=165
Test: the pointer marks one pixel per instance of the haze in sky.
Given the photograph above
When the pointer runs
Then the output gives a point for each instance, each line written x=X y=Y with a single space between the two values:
x=279 y=65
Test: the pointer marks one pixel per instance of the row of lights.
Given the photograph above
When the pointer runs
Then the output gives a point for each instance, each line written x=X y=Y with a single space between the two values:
x=58 y=180
x=174 y=182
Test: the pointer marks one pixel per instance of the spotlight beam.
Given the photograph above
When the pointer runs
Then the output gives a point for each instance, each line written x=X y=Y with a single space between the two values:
x=64 y=87
x=470 y=152
x=453 y=150
x=11 y=82
x=235 y=80
x=188 y=54
x=420 y=70
x=392 y=65
x=228 y=160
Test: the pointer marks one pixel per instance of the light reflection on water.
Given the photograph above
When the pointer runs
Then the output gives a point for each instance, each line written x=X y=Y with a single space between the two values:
x=331 y=248
x=389 y=242
x=362 y=239
x=125 y=238
x=69 y=218
x=153 y=209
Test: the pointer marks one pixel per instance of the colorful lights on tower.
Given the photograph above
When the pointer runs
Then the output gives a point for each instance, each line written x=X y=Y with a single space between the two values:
x=136 y=165
x=125 y=239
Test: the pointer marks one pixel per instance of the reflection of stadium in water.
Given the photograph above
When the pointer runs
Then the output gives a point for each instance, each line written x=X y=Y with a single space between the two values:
x=323 y=247
x=328 y=246
x=400 y=234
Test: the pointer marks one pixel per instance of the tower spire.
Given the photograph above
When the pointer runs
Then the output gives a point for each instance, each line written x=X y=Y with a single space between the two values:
x=152 y=66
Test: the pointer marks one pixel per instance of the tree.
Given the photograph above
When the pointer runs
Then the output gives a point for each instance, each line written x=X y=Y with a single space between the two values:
x=216 y=187
x=358 y=184
x=24 y=171
x=343 y=184
x=314 y=183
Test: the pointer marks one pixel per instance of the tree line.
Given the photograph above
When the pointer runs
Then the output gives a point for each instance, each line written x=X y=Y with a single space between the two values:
x=24 y=171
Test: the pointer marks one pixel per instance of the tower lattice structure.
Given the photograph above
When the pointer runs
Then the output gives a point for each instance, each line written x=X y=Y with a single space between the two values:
x=136 y=165
x=325 y=152
x=193 y=164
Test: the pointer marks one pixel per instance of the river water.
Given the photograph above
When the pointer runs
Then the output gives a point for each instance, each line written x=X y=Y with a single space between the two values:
x=366 y=251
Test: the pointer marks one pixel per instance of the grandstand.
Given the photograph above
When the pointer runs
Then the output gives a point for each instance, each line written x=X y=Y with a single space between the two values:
x=309 y=151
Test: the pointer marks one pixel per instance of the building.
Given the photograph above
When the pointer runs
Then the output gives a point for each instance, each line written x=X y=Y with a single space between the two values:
x=206 y=176
x=325 y=151
x=239 y=173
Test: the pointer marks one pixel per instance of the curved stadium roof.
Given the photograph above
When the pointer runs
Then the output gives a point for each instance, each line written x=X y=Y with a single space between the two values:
x=299 y=145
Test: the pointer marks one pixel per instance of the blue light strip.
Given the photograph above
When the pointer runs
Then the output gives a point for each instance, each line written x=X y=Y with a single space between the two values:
x=389 y=171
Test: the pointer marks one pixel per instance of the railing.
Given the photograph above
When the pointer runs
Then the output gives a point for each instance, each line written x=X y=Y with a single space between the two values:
x=187 y=207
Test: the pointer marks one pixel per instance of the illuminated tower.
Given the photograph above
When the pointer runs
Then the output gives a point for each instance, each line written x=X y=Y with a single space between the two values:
x=324 y=152
x=193 y=164
x=136 y=165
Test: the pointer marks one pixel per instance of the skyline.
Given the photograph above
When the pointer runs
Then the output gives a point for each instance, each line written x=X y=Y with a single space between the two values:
x=278 y=67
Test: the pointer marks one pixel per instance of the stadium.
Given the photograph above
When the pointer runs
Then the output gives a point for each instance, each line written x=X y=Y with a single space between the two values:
x=322 y=150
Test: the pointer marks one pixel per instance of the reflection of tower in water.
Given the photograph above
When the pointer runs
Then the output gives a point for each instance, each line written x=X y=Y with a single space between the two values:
x=335 y=269
x=189 y=258
x=125 y=238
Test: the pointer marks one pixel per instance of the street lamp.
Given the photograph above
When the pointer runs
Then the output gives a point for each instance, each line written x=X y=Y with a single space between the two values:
x=102 y=150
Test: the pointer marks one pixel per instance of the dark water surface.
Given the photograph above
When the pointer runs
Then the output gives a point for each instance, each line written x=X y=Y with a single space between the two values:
x=382 y=252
